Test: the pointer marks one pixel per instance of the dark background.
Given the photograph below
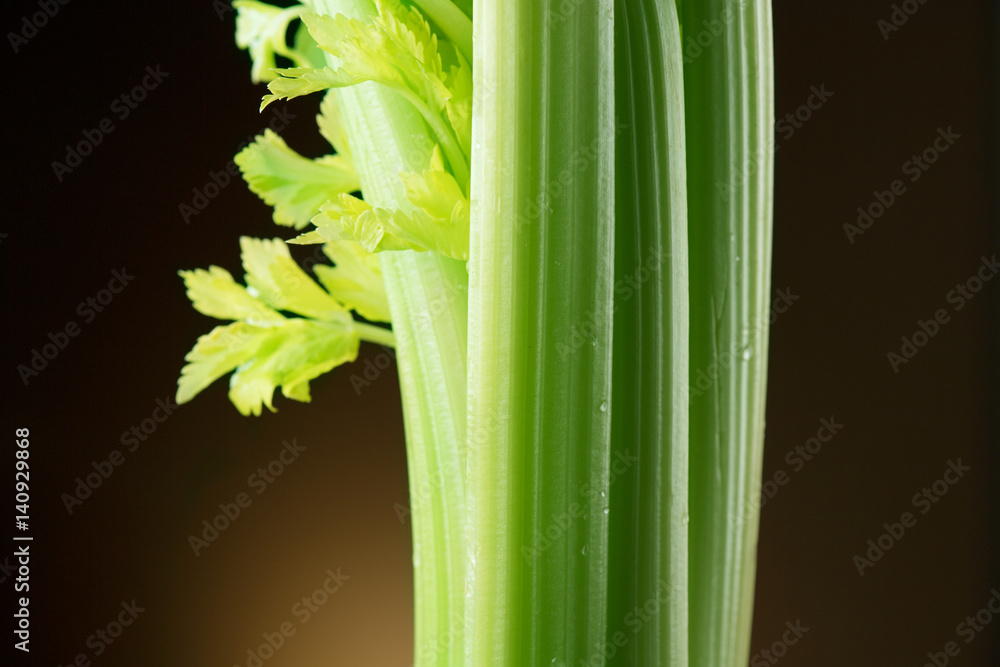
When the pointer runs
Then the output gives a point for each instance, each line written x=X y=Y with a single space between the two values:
x=337 y=506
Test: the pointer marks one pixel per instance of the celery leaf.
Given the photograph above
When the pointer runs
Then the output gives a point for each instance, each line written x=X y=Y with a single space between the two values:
x=261 y=29
x=296 y=186
x=355 y=280
x=268 y=350
x=275 y=278
x=216 y=294
x=331 y=126
x=290 y=356
x=297 y=81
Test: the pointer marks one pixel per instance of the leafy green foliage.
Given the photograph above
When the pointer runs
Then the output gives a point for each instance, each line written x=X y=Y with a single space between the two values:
x=356 y=280
x=396 y=49
x=296 y=186
x=331 y=126
x=265 y=346
x=298 y=81
x=261 y=30
x=514 y=436
x=440 y=222
x=399 y=50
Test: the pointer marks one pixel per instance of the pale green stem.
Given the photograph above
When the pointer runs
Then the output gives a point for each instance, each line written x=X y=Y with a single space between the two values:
x=444 y=134
x=428 y=302
x=648 y=564
x=540 y=303
x=730 y=121
x=375 y=334
x=452 y=21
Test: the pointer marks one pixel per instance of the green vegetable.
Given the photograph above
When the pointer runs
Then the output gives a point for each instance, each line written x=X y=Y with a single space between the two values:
x=265 y=348
x=649 y=501
x=558 y=259
x=295 y=186
x=729 y=112
x=541 y=270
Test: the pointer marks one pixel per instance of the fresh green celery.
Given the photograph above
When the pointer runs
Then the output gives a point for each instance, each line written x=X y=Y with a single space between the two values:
x=729 y=112
x=649 y=500
x=540 y=306
x=571 y=241
x=452 y=21
x=428 y=300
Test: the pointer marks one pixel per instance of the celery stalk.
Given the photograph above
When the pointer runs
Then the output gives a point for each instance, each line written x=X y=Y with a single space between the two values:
x=540 y=304
x=729 y=112
x=648 y=532
x=594 y=374
x=428 y=300
x=452 y=21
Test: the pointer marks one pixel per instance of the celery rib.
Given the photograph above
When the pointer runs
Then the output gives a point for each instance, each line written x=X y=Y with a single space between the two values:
x=648 y=533
x=729 y=111
x=427 y=295
x=540 y=332
x=452 y=21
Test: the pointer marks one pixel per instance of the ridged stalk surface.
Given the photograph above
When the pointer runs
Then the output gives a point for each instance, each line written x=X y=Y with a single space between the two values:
x=647 y=583
x=540 y=302
x=428 y=302
x=729 y=119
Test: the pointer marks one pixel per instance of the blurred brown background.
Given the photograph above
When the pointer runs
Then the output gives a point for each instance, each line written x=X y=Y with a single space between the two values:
x=337 y=506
